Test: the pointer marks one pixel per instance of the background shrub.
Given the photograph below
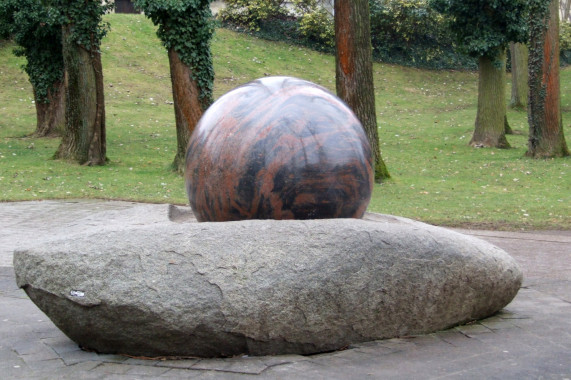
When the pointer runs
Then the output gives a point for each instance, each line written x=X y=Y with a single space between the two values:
x=565 y=42
x=252 y=13
x=409 y=32
x=317 y=26
x=406 y=32
x=304 y=22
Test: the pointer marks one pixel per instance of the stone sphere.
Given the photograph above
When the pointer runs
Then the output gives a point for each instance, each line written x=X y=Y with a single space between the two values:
x=278 y=148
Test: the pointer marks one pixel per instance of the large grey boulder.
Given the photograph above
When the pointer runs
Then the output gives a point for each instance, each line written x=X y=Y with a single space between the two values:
x=263 y=286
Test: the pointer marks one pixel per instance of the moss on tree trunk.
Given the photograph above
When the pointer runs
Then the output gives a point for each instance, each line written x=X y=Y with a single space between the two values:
x=84 y=136
x=354 y=71
x=491 y=117
x=546 y=138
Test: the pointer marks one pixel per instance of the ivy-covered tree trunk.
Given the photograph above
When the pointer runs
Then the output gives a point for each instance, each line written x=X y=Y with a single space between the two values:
x=187 y=106
x=546 y=137
x=38 y=35
x=185 y=29
x=519 y=57
x=50 y=113
x=84 y=137
x=354 y=71
x=491 y=116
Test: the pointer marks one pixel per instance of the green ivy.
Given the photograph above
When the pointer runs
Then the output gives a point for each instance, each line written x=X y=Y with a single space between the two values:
x=485 y=27
x=7 y=9
x=406 y=32
x=29 y=24
x=410 y=32
x=186 y=26
x=538 y=23
x=85 y=19
x=538 y=11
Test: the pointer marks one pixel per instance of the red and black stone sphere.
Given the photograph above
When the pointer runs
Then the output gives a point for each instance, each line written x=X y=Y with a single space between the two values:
x=278 y=148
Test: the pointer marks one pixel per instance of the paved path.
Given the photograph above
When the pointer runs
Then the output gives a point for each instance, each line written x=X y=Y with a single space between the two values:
x=529 y=339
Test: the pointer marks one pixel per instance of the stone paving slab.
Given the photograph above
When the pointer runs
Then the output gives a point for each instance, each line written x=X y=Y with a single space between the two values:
x=529 y=339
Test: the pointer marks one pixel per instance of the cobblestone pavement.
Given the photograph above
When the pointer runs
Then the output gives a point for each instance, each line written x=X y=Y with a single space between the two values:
x=529 y=339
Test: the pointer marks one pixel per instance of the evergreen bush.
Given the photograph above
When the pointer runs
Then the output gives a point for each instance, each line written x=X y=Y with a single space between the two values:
x=565 y=42
x=252 y=13
x=315 y=22
x=409 y=32
x=406 y=32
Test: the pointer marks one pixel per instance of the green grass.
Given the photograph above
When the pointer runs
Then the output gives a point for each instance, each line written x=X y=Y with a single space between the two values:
x=425 y=117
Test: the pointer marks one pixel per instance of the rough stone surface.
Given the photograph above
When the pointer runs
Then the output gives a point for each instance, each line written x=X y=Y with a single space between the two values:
x=263 y=287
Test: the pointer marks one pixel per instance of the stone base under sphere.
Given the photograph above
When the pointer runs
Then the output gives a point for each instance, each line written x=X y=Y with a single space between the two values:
x=264 y=287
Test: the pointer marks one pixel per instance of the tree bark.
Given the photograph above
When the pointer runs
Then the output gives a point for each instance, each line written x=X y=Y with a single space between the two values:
x=354 y=71
x=507 y=129
x=187 y=106
x=519 y=55
x=491 y=116
x=50 y=115
x=566 y=17
x=546 y=137
x=84 y=137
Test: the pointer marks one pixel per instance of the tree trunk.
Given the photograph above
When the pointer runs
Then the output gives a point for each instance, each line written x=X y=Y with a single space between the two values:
x=566 y=11
x=50 y=115
x=507 y=129
x=546 y=137
x=187 y=106
x=491 y=117
x=84 y=137
x=354 y=71
x=519 y=54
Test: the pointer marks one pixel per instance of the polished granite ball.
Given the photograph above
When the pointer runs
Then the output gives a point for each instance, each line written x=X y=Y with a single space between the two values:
x=278 y=148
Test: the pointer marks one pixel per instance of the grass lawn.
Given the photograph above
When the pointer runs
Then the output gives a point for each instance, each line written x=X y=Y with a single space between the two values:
x=425 y=118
